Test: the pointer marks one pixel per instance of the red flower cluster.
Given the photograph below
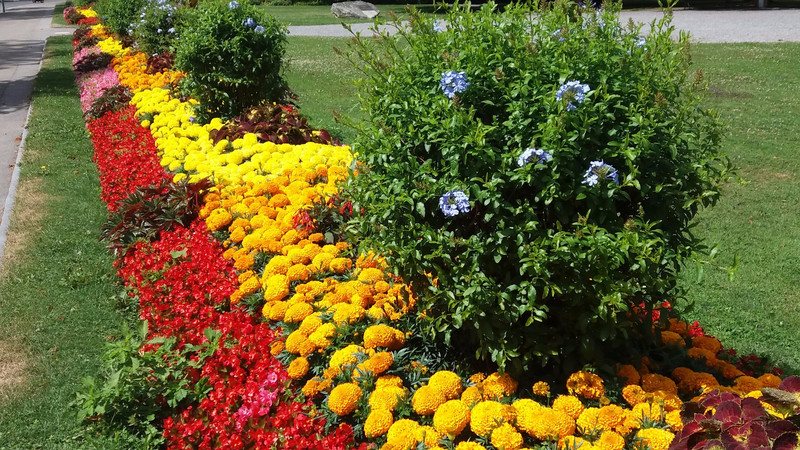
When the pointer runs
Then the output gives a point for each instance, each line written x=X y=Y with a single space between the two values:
x=181 y=280
x=89 y=21
x=125 y=154
x=248 y=406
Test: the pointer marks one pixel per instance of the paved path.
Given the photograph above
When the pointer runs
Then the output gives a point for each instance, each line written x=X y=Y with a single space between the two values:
x=768 y=25
x=23 y=30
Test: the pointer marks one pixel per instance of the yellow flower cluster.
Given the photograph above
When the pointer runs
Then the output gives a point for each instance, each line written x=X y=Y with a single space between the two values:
x=87 y=12
x=131 y=69
x=113 y=47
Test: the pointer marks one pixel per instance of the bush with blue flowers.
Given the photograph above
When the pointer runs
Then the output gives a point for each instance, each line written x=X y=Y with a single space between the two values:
x=533 y=174
x=232 y=53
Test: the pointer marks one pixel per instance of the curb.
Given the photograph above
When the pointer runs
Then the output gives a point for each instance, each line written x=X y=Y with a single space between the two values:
x=12 y=189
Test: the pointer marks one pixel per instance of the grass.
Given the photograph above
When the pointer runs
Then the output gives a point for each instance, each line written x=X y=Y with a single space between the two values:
x=759 y=310
x=57 y=280
x=751 y=85
x=58 y=16
x=321 y=14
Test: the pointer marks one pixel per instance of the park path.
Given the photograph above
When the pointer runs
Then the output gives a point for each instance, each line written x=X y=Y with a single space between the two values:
x=766 y=25
x=24 y=27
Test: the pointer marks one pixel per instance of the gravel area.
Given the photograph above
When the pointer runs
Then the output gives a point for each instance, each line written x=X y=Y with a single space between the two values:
x=766 y=25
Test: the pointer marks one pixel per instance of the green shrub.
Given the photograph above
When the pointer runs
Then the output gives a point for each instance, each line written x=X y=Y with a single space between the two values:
x=157 y=26
x=534 y=179
x=120 y=15
x=232 y=54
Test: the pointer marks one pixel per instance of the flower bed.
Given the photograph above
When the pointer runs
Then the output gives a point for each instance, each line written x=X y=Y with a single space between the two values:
x=319 y=346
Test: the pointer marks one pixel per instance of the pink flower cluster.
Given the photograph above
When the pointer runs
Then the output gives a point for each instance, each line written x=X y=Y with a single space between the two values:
x=93 y=84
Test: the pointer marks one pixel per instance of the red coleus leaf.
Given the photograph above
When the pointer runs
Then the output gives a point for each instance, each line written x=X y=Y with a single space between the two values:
x=786 y=441
x=790 y=384
x=780 y=427
x=728 y=412
x=752 y=409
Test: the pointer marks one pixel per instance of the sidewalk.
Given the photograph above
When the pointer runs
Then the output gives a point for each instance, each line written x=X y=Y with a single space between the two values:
x=24 y=27
x=767 y=25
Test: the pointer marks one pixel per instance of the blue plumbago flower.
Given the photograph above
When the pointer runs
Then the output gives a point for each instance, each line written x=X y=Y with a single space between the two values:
x=233 y=5
x=249 y=22
x=258 y=29
x=453 y=82
x=158 y=31
x=572 y=91
x=640 y=42
x=171 y=30
x=454 y=203
x=599 y=170
x=438 y=26
x=533 y=154
x=559 y=33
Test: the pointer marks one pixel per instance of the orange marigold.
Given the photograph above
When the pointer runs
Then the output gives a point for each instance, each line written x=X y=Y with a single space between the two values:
x=426 y=400
x=428 y=435
x=471 y=395
x=378 y=423
x=506 y=437
x=344 y=398
x=446 y=382
x=708 y=343
x=573 y=442
x=770 y=380
x=386 y=397
x=383 y=336
x=486 y=416
x=497 y=386
x=672 y=338
x=610 y=440
x=653 y=382
x=656 y=438
x=630 y=374
x=541 y=388
x=402 y=434
x=298 y=312
x=298 y=368
x=586 y=384
x=451 y=418
x=388 y=380
x=568 y=404
x=469 y=445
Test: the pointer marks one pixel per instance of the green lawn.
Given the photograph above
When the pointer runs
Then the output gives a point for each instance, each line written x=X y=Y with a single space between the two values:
x=57 y=280
x=321 y=14
x=753 y=86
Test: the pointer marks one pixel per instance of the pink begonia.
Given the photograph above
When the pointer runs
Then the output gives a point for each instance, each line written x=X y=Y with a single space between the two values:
x=93 y=84
x=83 y=53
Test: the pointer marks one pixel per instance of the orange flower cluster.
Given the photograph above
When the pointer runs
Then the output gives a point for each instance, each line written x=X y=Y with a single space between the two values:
x=132 y=72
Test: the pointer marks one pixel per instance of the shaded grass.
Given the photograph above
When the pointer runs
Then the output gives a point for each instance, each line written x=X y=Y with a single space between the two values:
x=759 y=310
x=58 y=16
x=57 y=280
x=321 y=14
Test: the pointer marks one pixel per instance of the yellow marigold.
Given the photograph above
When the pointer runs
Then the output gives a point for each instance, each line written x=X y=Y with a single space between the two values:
x=298 y=272
x=293 y=341
x=471 y=395
x=298 y=368
x=656 y=438
x=573 y=442
x=426 y=400
x=250 y=286
x=708 y=343
x=347 y=313
x=672 y=338
x=770 y=380
x=344 y=398
x=310 y=324
x=477 y=378
x=428 y=435
x=497 y=386
x=610 y=417
x=568 y=404
x=386 y=397
x=610 y=440
x=276 y=288
x=383 y=336
x=298 y=312
x=506 y=437
x=218 y=219
x=277 y=311
x=586 y=384
x=646 y=412
x=378 y=423
x=673 y=419
x=541 y=388
x=402 y=434
x=488 y=415
x=388 y=380
x=653 y=382
x=469 y=445
x=448 y=383
x=451 y=418
x=630 y=374
x=587 y=421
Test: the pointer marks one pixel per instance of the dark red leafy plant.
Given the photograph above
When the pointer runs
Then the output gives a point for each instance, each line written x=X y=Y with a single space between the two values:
x=272 y=123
